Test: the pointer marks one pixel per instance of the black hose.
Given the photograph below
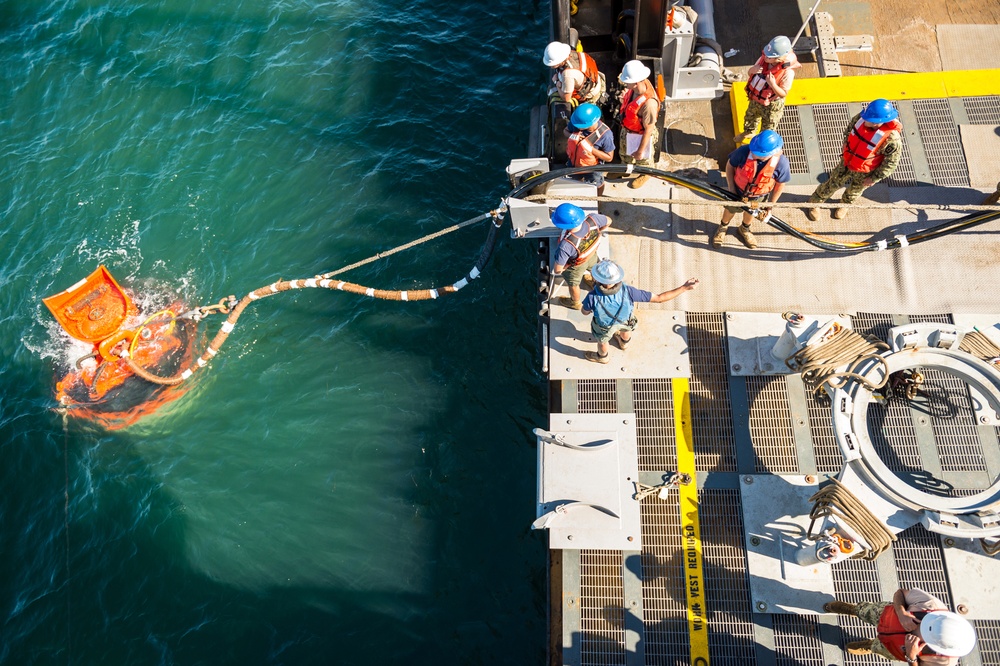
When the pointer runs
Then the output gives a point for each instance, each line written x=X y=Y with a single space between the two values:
x=943 y=229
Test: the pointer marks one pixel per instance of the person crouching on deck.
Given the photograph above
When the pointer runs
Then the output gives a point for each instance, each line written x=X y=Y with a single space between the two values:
x=753 y=172
x=577 y=249
x=590 y=143
x=612 y=302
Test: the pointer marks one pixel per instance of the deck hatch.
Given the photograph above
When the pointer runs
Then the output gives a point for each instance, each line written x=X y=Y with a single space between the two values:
x=771 y=425
x=602 y=613
x=942 y=145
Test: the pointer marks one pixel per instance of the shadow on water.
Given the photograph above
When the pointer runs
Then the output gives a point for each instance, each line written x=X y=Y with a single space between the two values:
x=132 y=596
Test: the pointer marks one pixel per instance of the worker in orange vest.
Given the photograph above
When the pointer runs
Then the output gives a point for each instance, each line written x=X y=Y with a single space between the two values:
x=915 y=627
x=770 y=80
x=590 y=143
x=639 y=112
x=873 y=147
x=755 y=172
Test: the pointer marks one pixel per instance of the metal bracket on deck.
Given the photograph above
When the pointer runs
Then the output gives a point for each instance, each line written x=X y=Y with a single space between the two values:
x=824 y=46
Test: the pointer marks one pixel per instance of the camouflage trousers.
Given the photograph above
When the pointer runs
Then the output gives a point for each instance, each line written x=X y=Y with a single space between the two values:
x=628 y=159
x=852 y=181
x=870 y=612
x=768 y=116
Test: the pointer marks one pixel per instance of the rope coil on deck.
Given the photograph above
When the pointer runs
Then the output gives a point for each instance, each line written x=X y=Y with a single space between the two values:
x=835 y=500
x=818 y=363
x=979 y=345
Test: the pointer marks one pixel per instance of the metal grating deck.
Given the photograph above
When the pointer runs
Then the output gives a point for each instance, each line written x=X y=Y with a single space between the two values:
x=654 y=424
x=983 y=110
x=797 y=641
x=942 y=144
x=596 y=396
x=795 y=150
x=664 y=610
x=768 y=446
x=830 y=119
x=714 y=444
x=602 y=615
x=771 y=425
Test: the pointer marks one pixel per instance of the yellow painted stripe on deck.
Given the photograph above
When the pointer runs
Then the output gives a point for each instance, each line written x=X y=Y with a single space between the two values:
x=690 y=528
x=924 y=85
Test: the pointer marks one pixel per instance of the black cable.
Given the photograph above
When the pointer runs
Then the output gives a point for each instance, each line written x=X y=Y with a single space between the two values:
x=943 y=229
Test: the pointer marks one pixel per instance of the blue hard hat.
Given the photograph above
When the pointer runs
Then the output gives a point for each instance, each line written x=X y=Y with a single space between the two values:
x=585 y=116
x=766 y=143
x=879 y=111
x=567 y=216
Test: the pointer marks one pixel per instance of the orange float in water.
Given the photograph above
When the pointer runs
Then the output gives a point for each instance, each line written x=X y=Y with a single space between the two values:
x=101 y=386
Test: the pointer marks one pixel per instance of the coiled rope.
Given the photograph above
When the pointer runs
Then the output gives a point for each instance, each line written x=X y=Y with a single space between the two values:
x=235 y=309
x=818 y=363
x=837 y=501
x=979 y=345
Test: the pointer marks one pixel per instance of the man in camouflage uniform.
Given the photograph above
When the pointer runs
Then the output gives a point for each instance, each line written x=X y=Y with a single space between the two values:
x=873 y=147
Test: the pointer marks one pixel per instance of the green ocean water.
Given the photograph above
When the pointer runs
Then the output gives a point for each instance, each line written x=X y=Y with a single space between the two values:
x=351 y=481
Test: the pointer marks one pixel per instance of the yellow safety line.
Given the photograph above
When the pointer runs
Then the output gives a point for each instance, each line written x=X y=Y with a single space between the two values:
x=924 y=85
x=694 y=587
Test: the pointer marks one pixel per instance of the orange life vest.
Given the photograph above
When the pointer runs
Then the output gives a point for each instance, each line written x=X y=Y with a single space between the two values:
x=893 y=635
x=757 y=88
x=584 y=64
x=580 y=147
x=631 y=103
x=863 y=141
x=585 y=244
x=753 y=183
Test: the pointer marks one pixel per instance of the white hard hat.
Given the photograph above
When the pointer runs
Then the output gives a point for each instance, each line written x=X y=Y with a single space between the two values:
x=607 y=272
x=555 y=53
x=633 y=72
x=778 y=47
x=948 y=633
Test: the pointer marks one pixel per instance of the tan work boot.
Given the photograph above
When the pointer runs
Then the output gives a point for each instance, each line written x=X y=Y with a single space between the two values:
x=587 y=282
x=839 y=213
x=596 y=357
x=639 y=181
x=840 y=607
x=719 y=237
x=746 y=236
x=570 y=303
x=859 y=647
x=812 y=213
